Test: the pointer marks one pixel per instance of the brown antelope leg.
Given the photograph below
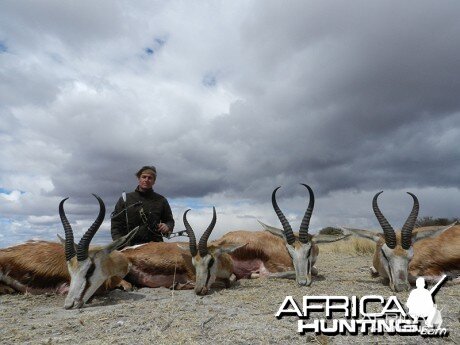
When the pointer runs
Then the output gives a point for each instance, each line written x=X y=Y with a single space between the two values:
x=222 y=283
x=5 y=289
x=314 y=271
x=183 y=286
x=115 y=283
x=283 y=275
x=125 y=286
x=22 y=288
x=374 y=272
x=232 y=279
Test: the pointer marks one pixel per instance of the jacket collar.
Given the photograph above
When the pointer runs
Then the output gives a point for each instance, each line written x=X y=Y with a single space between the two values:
x=146 y=193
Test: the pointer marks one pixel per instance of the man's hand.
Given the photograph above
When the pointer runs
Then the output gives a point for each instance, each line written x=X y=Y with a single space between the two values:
x=164 y=229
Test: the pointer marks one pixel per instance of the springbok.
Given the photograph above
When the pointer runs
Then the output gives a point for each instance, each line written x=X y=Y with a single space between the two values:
x=401 y=256
x=275 y=252
x=39 y=267
x=160 y=264
x=181 y=266
x=212 y=262
x=88 y=270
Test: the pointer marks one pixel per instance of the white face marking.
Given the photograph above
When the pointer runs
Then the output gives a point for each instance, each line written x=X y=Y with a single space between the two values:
x=78 y=282
x=301 y=259
x=206 y=272
x=396 y=266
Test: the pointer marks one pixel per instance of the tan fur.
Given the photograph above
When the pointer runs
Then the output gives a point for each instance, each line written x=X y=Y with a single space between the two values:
x=225 y=264
x=160 y=259
x=35 y=264
x=116 y=265
x=432 y=256
x=154 y=264
x=270 y=249
x=435 y=256
x=40 y=267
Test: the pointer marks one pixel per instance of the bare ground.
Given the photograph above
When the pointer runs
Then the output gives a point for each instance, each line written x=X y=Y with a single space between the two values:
x=240 y=315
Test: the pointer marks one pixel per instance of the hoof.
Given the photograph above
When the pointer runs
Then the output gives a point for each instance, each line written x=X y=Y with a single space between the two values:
x=374 y=272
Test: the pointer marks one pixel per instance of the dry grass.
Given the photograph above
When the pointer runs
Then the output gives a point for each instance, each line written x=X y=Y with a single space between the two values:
x=352 y=245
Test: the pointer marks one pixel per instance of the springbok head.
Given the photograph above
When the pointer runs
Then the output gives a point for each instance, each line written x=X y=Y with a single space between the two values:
x=89 y=268
x=299 y=249
x=210 y=261
x=394 y=250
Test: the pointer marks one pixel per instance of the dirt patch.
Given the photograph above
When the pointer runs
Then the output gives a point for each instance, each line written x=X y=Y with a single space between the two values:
x=239 y=315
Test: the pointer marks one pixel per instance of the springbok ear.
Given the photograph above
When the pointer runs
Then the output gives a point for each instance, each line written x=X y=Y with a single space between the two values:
x=121 y=242
x=228 y=248
x=184 y=246
x=421 y=234
x=374 y=236
x=318 y=238
x=273 y=230
x=62 y=240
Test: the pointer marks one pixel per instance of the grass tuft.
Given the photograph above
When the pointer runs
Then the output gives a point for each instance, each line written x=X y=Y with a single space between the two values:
x=352 y=245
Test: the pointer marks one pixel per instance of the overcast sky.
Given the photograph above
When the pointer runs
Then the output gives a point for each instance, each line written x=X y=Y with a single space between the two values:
x=228 y=99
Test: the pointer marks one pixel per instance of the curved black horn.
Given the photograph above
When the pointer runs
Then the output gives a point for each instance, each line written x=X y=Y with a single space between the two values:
x=388 y=231
x=406 y=231
x=191 y=235
x=290 y=238
x=69 y=242
x=303 y=232
x=83 y=245
x=203 y=245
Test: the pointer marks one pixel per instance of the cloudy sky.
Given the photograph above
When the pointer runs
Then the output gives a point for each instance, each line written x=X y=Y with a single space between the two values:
x=229 y=99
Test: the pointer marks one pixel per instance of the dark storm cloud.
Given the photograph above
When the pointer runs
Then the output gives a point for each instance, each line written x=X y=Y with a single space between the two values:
x=236 y=99
x=360 y=96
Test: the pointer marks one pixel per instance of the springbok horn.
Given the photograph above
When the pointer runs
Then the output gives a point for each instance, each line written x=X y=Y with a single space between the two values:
x=290 y=238
x=406 y=231
x=203 y=245
x=303 y=232
x=83 y=245
x=69 y=243
x=388 y=231
x=191 y=235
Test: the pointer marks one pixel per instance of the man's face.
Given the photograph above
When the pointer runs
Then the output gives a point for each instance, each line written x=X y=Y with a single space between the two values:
x=146 y=181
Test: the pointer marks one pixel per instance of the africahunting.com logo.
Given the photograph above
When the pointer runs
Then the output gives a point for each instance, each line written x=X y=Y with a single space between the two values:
x=350 y=315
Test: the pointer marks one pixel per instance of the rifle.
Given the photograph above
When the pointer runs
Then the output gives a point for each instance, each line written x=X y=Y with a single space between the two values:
x=176 y=234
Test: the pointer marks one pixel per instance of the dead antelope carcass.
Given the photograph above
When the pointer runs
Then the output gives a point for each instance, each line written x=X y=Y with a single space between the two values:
x=277 y=252
x=212 y=262
x=160 y=264
x=180 y=265
x=33 y=267
x=401 y=256
x=436 y=252
x=90 y=269
x=40 y=266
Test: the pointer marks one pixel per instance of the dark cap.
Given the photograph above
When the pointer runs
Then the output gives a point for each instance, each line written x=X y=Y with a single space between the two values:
x=149 y=169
